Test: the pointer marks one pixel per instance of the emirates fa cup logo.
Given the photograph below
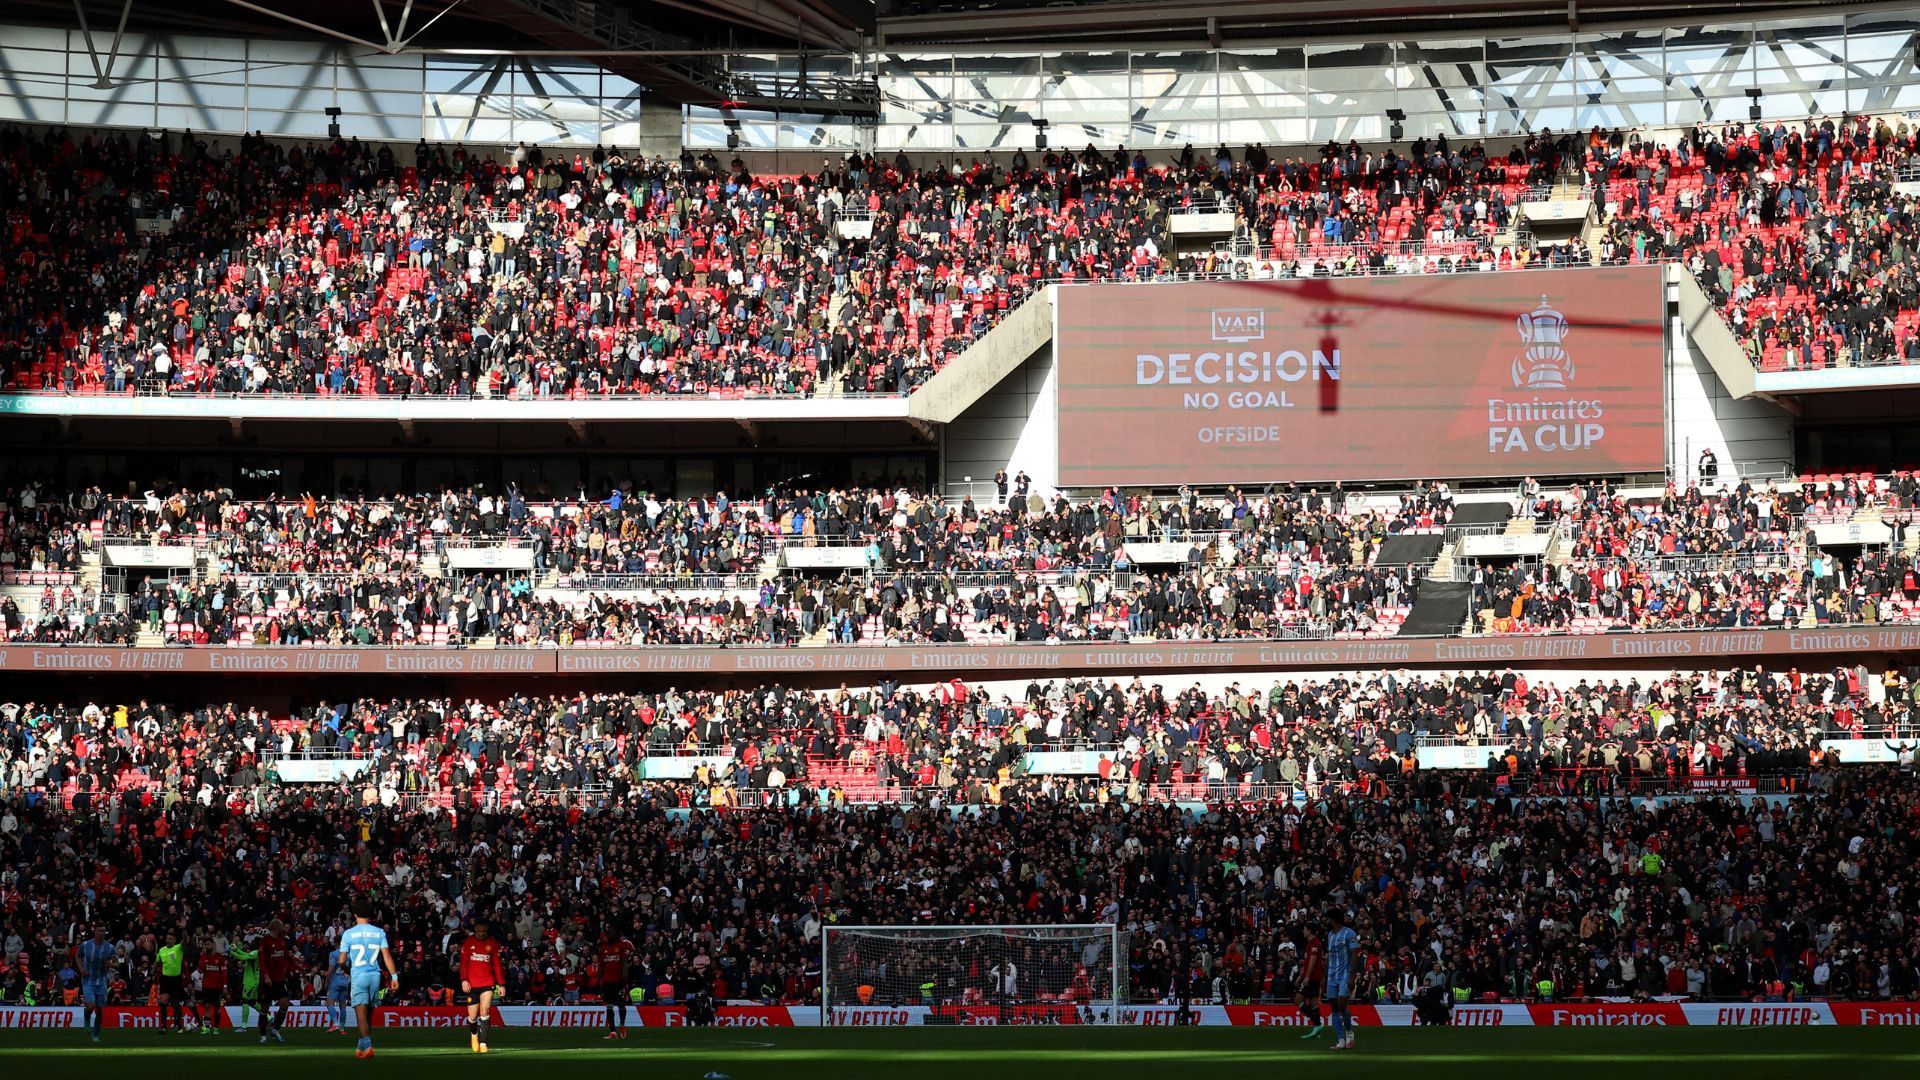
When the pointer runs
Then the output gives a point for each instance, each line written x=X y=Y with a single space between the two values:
x=1545 y=364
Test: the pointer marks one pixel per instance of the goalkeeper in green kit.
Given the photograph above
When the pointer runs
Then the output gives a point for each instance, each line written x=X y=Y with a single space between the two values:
x=249 y=960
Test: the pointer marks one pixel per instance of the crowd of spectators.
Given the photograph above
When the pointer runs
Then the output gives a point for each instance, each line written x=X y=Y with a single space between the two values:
x=175 y=263
x=344 y=270
x=1699 y=559
x=630 y=568
x=969 y=744
x=1715 y=898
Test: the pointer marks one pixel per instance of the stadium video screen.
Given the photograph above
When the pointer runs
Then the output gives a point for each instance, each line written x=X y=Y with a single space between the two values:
x=1550 y=372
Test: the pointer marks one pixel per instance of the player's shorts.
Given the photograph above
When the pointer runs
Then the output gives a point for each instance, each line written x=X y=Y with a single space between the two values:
x=272 y=990
x=338 y=989
x=171 y=985
x=93 y=991
x=1339 y=988
x=1309 y=989
x=613 y=993
x=213 y=995
x=472 y=997
x=365 y=987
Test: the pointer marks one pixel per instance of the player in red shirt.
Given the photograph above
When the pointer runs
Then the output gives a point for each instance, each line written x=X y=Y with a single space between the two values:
x=276 y=971
x=213 y=985
x=1313 y=974
x=612 y=956
x=481 y=976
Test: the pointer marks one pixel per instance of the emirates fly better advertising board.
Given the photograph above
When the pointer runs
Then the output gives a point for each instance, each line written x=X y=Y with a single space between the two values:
x=1543 y=372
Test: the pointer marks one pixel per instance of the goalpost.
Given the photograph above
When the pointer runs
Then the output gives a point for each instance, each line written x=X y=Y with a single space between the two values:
x=1007 y=974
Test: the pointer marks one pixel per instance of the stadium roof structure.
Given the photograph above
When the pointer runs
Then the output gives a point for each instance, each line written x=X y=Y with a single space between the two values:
x=1184 y=24
x=824 y=53
x=682 y=50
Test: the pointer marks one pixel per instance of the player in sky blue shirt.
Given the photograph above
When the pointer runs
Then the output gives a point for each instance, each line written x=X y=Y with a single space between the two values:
x=1343 y=948
x=339 y=987
x=97 y=957
x=364 y=951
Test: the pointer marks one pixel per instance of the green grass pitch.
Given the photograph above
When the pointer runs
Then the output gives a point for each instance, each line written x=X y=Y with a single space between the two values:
x=986 y=1054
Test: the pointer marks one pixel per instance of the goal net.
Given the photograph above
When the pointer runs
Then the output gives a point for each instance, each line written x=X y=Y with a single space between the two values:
x=882 y=975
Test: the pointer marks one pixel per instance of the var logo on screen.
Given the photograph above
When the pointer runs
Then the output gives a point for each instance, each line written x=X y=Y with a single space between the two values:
x=1239 y=325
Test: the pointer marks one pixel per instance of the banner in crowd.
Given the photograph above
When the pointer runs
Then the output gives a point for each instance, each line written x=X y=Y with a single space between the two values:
x=294 y=770
x=1457 y=757
x=1548 y=372
x=1865 y=751
x=1611 y=1014
x=1065 y=762
x=935 y=662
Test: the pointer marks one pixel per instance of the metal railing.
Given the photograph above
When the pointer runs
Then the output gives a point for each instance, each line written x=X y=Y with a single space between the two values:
x=695 y=581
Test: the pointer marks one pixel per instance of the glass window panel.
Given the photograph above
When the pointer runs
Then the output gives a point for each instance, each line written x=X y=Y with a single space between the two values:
x=395 y=73
x=353 y=99
x=307 y=122
x=177 y=69
x=1174 y=134
x=22 y=61
x=983 y=136
x=1076 y=136
x=43 y=39
x=1186 y=109
x=274 y=51
x=468 y=78
x=1268 y=130
x=33 y=74
x=1094 y=76
x=704 y=133
x=462 y=119
x=35 y=106
x=1062 y=107
x=823 y=133
x=175 y=118
x=288 y=99
x=915 y=136
x=1172 y=75
x=979 y=112
x=1321 y=128
x=1453 y=123
x=1265 y=84
x=133 y=75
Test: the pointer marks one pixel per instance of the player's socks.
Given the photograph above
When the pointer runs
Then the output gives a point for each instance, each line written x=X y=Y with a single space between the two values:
x=610 y=1028
x=623 y=1019
x=483 y=1034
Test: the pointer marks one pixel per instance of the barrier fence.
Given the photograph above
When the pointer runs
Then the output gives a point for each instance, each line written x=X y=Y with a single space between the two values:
x=1733 y=645
x=1506 y=1014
